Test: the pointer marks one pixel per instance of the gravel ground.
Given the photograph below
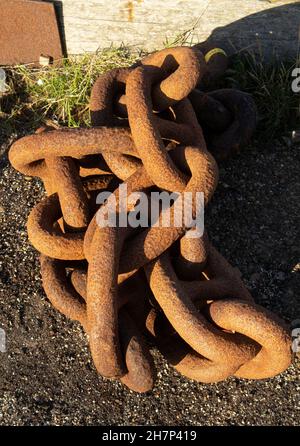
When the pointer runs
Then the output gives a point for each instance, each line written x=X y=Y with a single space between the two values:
x=47 y=376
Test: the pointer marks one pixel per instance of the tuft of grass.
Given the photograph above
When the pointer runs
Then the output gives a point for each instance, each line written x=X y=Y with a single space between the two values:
x=271 y=87
x=184 y=38
x=59 y=92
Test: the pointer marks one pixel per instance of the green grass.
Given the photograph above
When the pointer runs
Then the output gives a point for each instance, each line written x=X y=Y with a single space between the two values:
x=61 y=93
x=185 y=38
x=270 y=86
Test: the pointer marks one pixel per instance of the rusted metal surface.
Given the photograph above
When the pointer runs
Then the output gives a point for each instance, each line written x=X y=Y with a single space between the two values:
x=124 y=283
x=28 y=31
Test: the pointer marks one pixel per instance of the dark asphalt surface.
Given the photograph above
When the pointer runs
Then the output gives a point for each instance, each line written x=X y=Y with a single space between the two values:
x=46 y=374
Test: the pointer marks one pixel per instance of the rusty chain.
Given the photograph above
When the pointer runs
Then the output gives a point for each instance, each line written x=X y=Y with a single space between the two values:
x=151 y=127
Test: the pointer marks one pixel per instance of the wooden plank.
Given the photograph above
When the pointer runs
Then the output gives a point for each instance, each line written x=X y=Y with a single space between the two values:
x=94 y=24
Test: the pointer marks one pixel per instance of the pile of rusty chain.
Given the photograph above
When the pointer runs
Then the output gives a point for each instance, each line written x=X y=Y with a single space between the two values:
x=125 y=285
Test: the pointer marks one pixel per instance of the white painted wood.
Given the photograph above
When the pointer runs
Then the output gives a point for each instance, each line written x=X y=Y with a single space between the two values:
x=93 y=24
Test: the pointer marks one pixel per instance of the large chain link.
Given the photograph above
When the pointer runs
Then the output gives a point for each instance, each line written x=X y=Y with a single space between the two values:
x=151 y=127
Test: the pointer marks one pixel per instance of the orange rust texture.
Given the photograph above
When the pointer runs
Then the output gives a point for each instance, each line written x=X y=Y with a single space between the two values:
x=151 y=127
x=28 y=30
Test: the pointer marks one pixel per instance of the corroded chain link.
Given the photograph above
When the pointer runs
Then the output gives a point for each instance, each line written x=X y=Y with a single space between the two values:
x=151 y=128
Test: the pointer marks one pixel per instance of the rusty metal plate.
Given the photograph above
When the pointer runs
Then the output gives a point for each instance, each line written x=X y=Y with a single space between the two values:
x=28 y=30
